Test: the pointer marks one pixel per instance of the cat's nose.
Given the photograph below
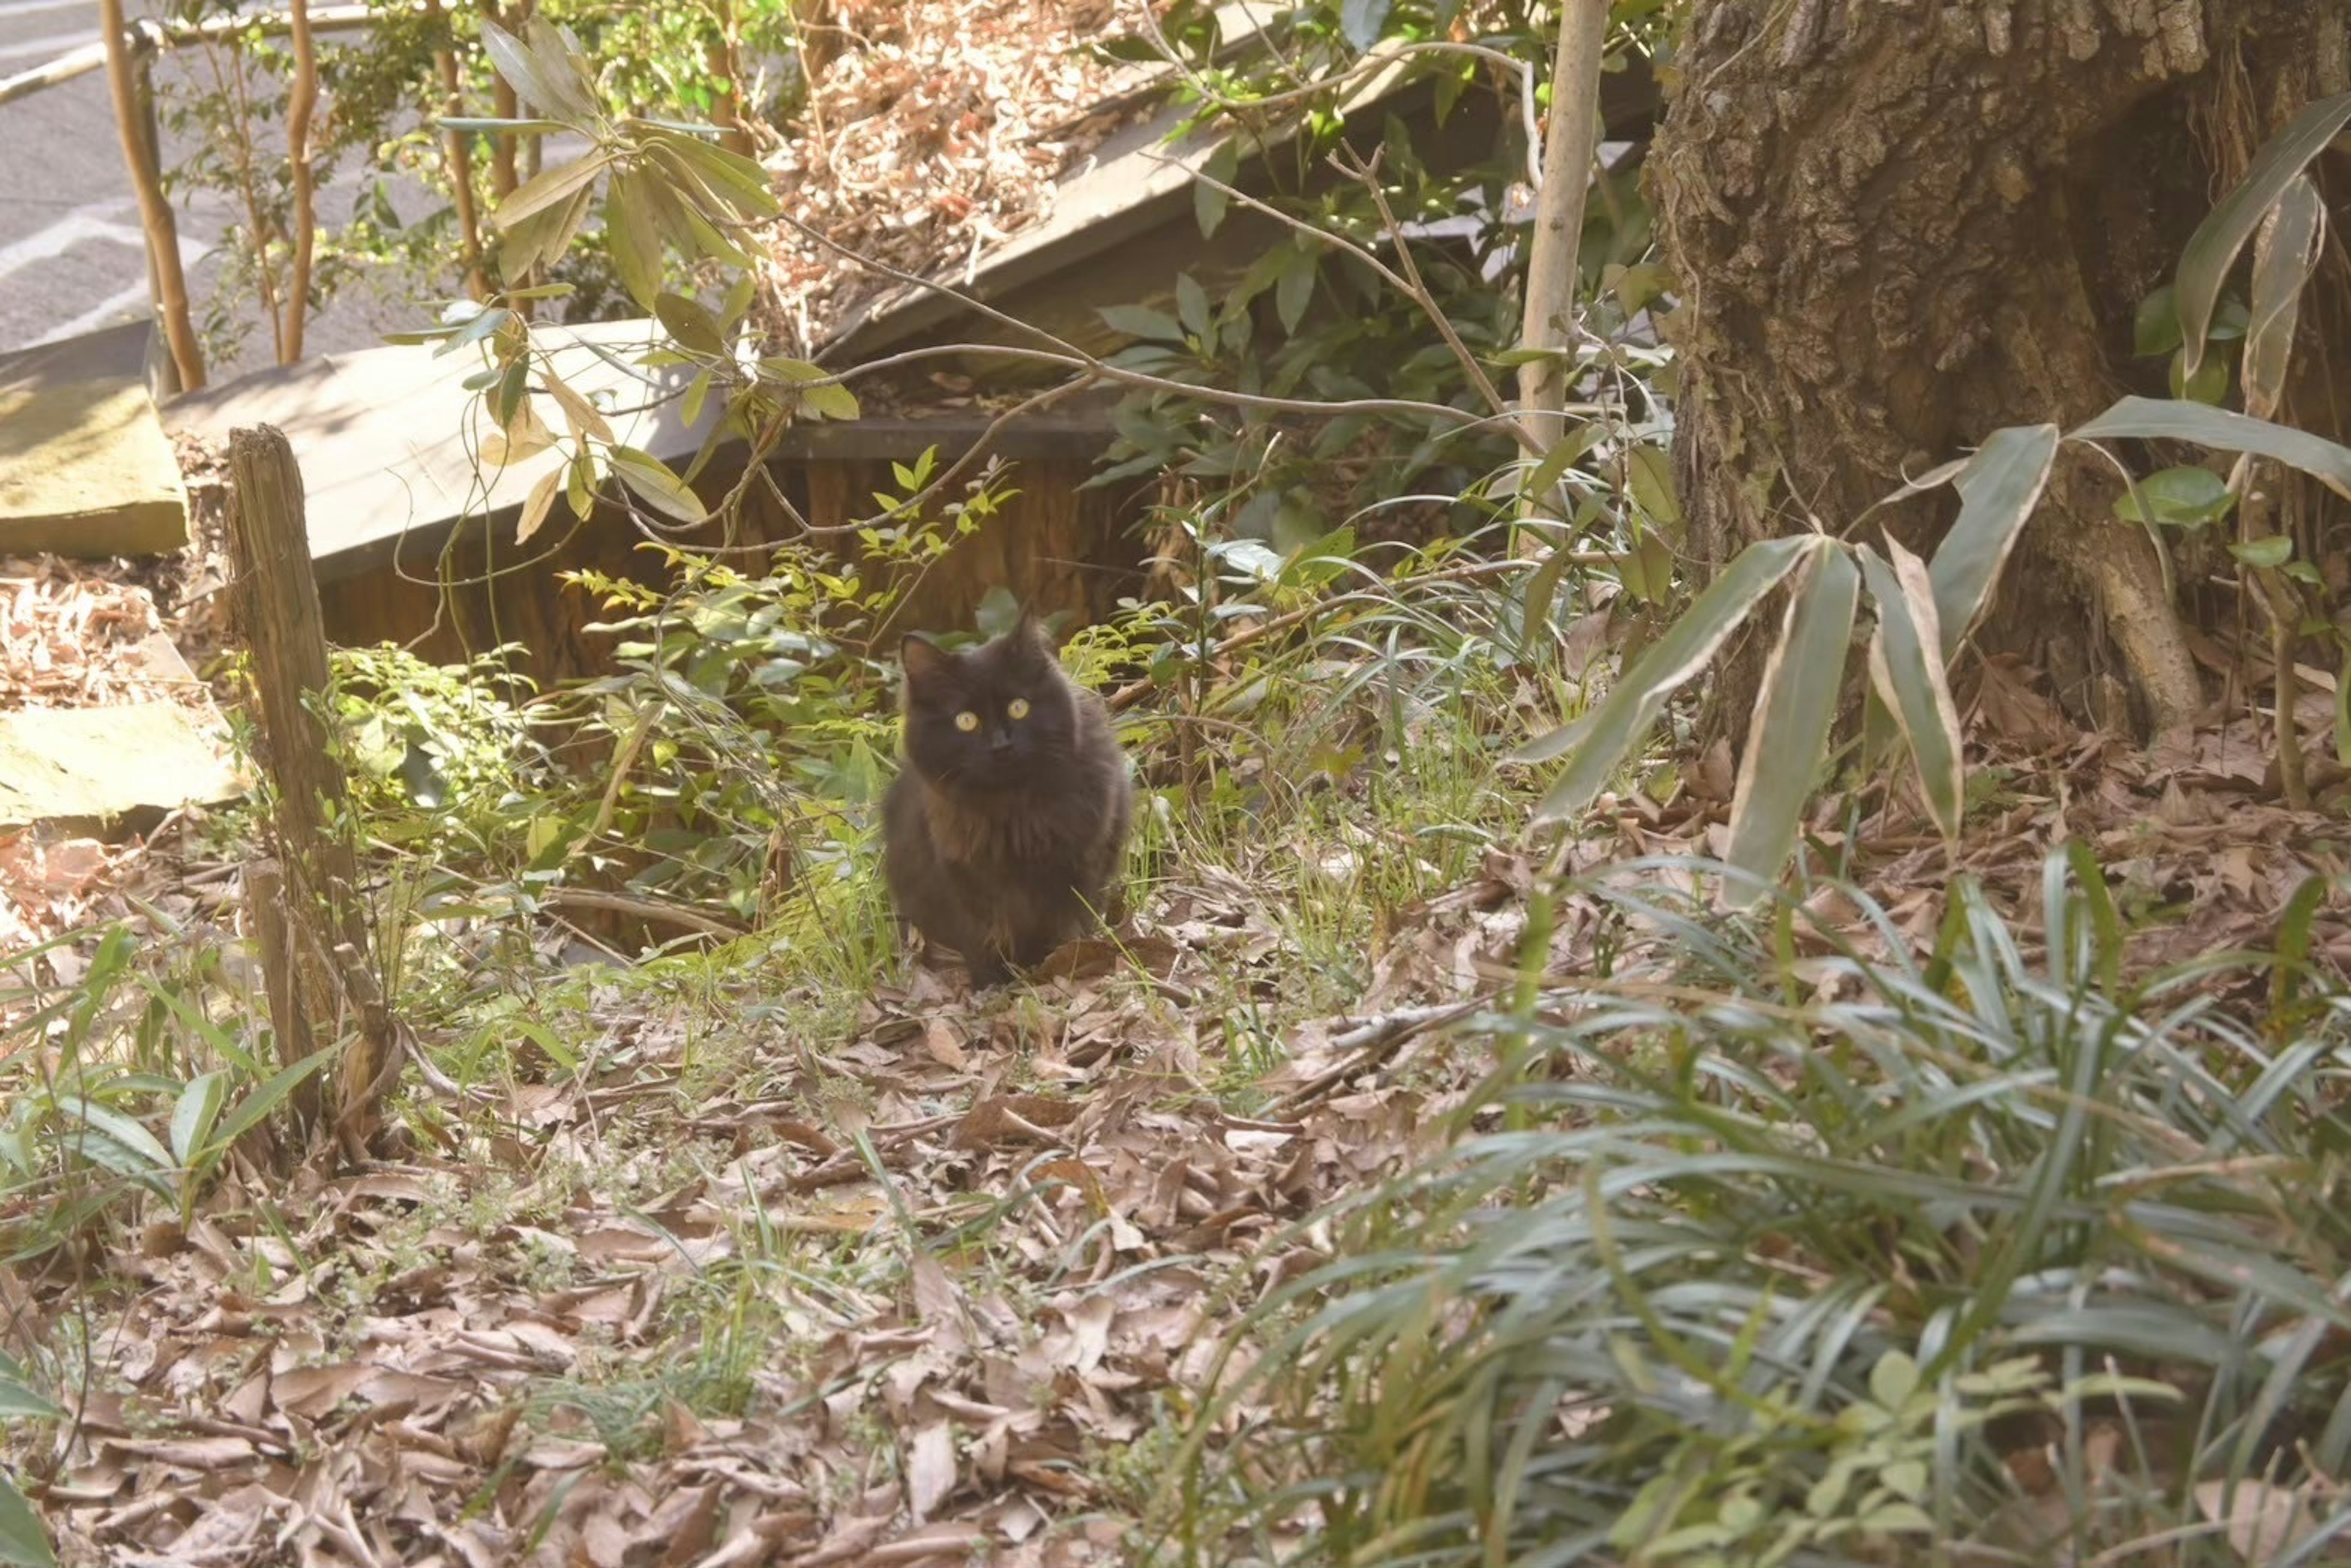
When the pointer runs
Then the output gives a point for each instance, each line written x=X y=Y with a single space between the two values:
x=1000 y=741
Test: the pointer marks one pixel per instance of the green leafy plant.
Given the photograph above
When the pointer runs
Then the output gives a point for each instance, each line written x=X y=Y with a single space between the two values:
x=1755 y=1260
x=1924 y=612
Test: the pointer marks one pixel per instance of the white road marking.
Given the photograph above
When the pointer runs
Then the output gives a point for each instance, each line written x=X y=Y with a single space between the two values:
x=54 y=44
x=132 y=301
x=92 y=222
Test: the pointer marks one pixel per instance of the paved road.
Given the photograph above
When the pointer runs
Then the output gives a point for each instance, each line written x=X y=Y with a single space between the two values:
x=71 y=254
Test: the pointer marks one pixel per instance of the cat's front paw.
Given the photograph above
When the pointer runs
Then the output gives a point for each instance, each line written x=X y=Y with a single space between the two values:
x=986 y=974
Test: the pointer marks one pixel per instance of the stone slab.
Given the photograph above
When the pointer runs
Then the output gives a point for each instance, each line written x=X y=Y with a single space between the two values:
x=101 y=764
x=85 y=467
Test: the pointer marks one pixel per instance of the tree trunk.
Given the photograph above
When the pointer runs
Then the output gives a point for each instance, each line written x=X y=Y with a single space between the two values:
x=1896 y=228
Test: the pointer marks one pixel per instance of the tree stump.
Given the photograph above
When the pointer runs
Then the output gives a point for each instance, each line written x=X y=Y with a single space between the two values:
x=314 y=936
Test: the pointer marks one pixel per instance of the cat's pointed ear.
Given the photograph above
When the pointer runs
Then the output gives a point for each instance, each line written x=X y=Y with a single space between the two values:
x=1030 y=629
x=923 y=660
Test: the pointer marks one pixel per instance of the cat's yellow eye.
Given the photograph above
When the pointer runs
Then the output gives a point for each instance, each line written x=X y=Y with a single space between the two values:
x=967 y=721
x=1017 y=708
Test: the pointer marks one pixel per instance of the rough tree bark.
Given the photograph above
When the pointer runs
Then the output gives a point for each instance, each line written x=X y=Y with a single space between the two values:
x=1899 y=226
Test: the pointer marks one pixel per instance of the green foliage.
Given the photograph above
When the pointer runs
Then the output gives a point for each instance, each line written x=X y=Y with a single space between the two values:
x=383 y=98
x=1339 y=305
x=1739 y=1268
x=154 y=1070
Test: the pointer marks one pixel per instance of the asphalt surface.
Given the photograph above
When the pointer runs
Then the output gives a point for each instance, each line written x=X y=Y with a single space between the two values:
x=72 y=257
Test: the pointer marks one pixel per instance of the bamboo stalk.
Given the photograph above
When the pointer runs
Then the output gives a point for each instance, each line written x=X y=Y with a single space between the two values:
x=155 y=209
x=302 y=104
x=460 y=160
x=1569 y=145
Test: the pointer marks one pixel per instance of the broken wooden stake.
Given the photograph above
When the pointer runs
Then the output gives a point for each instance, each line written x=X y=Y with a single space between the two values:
x=317 y=980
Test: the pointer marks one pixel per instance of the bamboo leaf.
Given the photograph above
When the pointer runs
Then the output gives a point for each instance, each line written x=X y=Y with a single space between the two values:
x=2156 y=419
x=1687 y=647
x=1909 y=677
x=2284 y=256
x=270 y=1095
x=2212 y=250
x=1998 y=488
x=22 y=1542
x=192 y=1115
x=122 y=1129
x=1794 y=710
x=1534 y=609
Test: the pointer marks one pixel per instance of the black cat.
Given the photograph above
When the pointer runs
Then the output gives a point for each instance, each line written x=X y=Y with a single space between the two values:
x=1004 y=831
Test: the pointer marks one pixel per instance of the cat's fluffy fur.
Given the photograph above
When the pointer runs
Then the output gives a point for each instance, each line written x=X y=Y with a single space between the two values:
x=1003 y=841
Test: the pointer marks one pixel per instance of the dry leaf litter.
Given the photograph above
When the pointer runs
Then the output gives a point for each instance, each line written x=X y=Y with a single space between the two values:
x=936 y=132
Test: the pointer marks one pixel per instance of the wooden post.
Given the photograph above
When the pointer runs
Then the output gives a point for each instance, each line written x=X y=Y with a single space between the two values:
x=322 y=926
x=154 y=211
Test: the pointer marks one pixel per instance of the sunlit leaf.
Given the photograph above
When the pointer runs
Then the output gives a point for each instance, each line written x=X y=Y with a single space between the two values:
x=546 y=188
x=2212 y=250
x=120 y=1128
x=577 y=412
x=651 y=482
x=540 y=502
x=690 y=323
x=735 y=179
x=829 y=400
x=1669 y=662
x=1789 y=738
